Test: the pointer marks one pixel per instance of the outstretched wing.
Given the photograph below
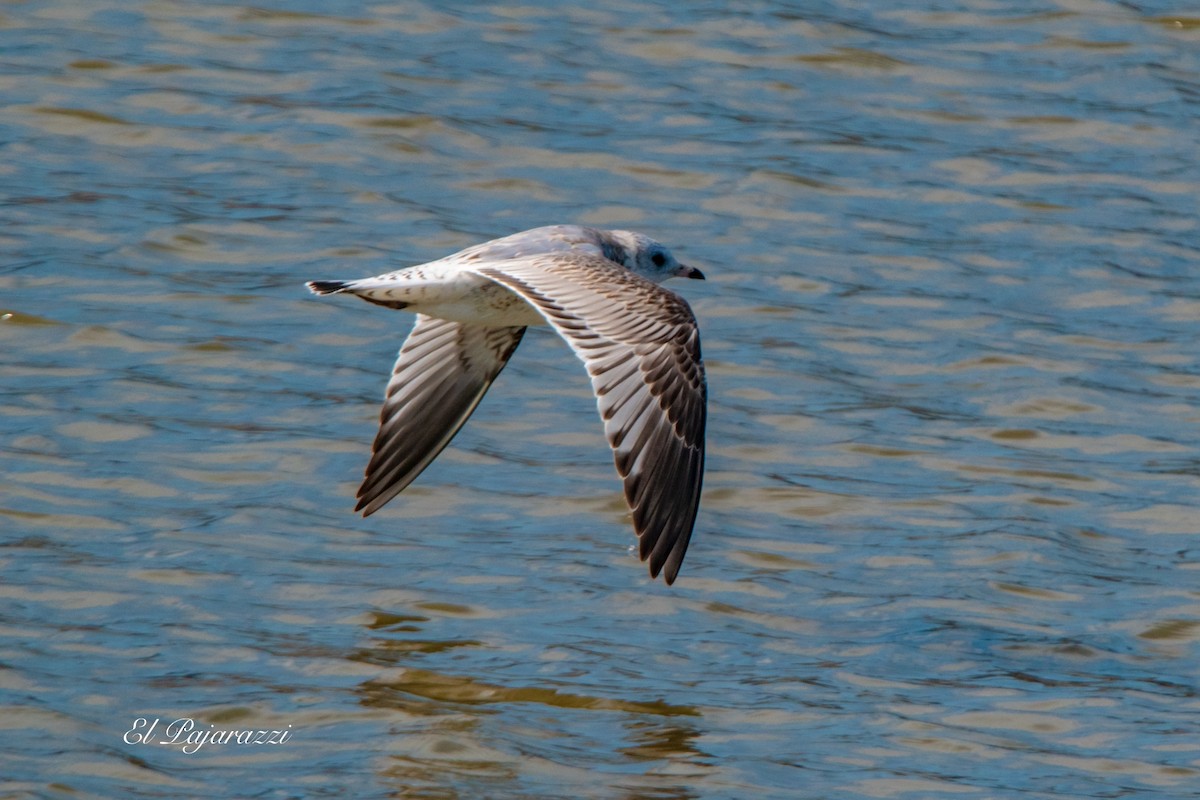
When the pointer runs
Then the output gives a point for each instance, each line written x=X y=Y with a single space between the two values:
x=442 y=372
x=641 y=347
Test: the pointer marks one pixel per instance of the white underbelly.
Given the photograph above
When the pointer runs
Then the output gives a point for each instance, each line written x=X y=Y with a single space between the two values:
x=490 y=304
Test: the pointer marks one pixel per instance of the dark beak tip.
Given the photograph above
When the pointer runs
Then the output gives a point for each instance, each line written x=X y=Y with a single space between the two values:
x=696 y=274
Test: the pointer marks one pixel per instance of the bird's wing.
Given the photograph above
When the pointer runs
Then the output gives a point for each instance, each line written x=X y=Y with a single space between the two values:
x=641 y=347
x=442 y=372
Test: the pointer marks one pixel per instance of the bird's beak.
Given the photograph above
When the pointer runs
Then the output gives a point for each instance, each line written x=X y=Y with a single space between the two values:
x=685 y=271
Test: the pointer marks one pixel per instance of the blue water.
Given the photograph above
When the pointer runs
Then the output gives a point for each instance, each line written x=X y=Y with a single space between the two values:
x=948 y=541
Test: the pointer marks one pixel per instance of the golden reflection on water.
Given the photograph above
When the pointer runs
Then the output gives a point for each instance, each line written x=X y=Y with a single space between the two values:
x=399 y=690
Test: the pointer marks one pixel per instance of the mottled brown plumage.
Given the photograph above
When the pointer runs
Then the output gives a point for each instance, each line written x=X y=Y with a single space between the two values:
x=599 y=290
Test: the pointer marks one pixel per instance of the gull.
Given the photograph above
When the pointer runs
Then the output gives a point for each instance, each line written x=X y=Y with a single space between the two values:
x=599 y=290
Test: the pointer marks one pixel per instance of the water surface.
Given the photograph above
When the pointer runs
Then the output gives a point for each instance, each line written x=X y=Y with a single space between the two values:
x=947 y=546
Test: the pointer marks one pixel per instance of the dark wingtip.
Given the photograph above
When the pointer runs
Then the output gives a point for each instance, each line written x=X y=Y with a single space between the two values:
x=668 y=569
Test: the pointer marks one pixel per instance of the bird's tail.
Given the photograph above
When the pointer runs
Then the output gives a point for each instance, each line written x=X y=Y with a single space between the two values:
x=353 y=287
x=326 y=287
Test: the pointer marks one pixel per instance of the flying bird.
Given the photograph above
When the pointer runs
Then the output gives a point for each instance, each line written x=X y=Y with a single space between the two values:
x=600 y=292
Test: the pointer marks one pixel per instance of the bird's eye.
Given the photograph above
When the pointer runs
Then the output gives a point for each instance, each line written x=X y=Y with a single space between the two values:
x=659 y=259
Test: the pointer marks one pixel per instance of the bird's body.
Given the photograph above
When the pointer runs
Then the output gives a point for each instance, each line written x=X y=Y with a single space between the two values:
x=599 y=290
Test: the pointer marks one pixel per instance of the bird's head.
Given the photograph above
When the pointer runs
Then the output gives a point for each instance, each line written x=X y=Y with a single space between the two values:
x=650 y=259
